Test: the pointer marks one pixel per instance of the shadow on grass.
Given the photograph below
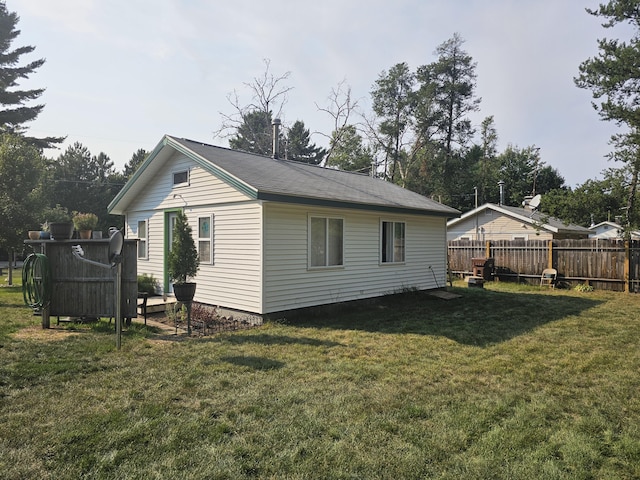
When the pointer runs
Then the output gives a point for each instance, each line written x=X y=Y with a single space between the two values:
x=254 y=363
x=266 y=339
x=479 y=317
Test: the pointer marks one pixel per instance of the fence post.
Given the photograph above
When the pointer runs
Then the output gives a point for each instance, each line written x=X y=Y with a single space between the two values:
x=627 y=262
x=550 y=254
x=487 y=249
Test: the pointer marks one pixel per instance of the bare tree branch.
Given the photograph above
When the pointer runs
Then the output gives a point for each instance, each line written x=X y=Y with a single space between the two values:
x=267 y=93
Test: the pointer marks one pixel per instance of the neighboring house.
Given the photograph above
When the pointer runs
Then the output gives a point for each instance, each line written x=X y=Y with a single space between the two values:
x=610 y=230
x=499 y=222
x=276 y=235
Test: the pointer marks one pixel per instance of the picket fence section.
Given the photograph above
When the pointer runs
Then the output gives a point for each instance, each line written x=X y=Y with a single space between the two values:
x=603 y=264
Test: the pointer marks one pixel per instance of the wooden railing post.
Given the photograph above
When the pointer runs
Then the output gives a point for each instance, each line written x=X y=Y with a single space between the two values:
x=487 y=249
x=627 y=262
x=550 y=254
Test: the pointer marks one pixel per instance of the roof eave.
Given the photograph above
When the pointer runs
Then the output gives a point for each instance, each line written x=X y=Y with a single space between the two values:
x=322 y=202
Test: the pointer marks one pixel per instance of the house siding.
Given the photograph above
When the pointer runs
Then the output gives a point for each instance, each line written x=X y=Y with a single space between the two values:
x=289 y=284
x=495 y=226
x=235 y=276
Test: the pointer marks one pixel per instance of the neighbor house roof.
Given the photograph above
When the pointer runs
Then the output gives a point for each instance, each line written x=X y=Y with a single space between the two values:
x=265 y=178
x=608 y=229
x=535 y=218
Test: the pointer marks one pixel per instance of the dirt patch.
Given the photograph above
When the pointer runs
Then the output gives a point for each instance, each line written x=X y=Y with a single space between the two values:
x=52 y=334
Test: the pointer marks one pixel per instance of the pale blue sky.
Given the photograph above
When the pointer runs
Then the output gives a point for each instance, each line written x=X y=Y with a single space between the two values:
x=122 y=73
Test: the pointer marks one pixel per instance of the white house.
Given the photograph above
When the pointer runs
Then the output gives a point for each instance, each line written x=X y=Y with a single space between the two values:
x=610 y=230
x=501 y=222
x=276 y=235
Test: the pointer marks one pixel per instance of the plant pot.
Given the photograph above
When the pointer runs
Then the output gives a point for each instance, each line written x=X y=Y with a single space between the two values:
x=184 y=292
x=61 y=230
x=45 y=235
x=85 y=234
x=34 y=234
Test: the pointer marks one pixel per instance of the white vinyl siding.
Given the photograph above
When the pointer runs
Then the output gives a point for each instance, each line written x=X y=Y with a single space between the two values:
x=204 y=189
x=234 y=280
x=495 y=227
x=289 y=284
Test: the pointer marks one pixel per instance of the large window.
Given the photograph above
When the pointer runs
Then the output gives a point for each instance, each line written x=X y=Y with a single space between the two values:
x=393 y=236
x=326 y=242
x=143 y=234
x=205 y=239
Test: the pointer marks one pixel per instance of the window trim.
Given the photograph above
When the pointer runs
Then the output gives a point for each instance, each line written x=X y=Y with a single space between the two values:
x=327 y=252
x=143 y=240
x=209 y=239
x=186 y=183
x=393 y=249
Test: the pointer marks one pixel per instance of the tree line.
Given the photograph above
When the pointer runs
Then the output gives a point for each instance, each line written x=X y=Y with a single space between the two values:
x=418 y=134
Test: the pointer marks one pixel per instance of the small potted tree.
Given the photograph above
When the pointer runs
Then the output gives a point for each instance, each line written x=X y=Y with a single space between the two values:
x=85 y=223
x=58 y=222
x=183 y=261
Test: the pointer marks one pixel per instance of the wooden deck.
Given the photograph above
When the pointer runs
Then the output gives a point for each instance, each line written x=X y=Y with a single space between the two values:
x=157 y=304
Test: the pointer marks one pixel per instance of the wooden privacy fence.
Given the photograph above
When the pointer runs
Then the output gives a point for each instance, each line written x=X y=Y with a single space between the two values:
x=603 y=264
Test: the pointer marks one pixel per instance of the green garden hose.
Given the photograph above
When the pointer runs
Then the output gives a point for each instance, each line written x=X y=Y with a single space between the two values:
x=36 y=281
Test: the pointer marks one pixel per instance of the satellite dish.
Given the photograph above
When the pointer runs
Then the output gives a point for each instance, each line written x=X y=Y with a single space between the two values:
x=116 y=241
x=535 y=201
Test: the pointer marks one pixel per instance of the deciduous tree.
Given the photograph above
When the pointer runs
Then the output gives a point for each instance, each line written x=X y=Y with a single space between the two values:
x=21 y=197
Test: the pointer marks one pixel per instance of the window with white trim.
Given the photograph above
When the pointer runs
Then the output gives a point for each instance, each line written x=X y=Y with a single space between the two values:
x=143 y=237
x=205 y=239
x=326 y=242
x=181 y=178
x=392 y=242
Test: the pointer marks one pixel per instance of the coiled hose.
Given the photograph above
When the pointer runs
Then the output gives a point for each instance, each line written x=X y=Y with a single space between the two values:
x=36 y=281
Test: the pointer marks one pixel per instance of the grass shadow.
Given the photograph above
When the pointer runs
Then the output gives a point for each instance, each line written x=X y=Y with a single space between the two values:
x=267 y=339
x=478 y=317
x=254 y=363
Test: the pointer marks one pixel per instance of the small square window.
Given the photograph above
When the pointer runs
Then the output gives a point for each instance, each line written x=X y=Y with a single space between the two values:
x=180 y=178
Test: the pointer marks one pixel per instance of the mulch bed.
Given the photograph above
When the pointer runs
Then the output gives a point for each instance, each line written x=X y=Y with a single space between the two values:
x=204 y=321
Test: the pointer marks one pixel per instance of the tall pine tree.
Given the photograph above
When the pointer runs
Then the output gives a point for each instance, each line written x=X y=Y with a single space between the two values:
x=14 y=111
x=299 y=147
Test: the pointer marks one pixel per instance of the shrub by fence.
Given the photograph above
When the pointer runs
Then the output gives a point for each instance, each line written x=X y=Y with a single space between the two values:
x=603 y=264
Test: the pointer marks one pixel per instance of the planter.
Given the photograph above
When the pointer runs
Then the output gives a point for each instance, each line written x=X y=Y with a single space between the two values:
x=34 y=234
x=184 y=292
x=61 y=230
x=85 y=234
x=45 y=235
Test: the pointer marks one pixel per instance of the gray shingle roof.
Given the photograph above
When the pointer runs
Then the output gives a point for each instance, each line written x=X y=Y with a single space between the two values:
x=542 y=218
x=297 y=182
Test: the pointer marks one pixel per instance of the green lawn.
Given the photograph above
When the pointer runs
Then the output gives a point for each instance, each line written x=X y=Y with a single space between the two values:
x=507 y=382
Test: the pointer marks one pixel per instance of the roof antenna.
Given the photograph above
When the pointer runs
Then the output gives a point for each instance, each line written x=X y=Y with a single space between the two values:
x=534 y=203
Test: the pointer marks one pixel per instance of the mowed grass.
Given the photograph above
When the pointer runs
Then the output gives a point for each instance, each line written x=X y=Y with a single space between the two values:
x=506 y=382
